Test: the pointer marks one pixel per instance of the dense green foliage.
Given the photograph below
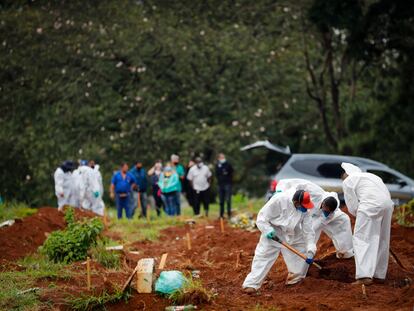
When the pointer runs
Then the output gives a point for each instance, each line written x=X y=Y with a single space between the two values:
x=127 y=80
x=72 y=243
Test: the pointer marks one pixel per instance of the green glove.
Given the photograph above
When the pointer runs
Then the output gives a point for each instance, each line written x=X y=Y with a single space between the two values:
x=270 y=235
x=96 y=194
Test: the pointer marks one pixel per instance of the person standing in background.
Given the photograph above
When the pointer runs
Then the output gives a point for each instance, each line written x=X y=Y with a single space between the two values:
x=98 y=205
x=169 y=184
x=224 y=174
x=63 y=183
x=154 y=174
x=140 y=192
x=120 y=190
x=200 y=177
x=187 y=189
x=175 y=161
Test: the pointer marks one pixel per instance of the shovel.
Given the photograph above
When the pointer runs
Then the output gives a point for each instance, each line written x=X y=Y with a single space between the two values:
x=293 y=250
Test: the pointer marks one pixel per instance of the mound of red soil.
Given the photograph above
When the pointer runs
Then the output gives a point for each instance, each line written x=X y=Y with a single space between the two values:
x=224 y=260
x=27 y=234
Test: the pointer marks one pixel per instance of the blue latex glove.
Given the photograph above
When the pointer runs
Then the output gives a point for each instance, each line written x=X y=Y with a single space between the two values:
x=270 y=235
x=309 y=261
x=96 y=194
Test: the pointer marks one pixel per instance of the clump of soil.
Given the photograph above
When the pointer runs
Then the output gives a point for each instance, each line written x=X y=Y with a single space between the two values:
x=194 y=296
x=27 y=234
x=341 y=270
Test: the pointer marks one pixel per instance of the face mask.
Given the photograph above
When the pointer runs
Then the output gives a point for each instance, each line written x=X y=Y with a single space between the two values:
x=302 y=209
x=326 y=214
x=199 y=165
x=222 y=161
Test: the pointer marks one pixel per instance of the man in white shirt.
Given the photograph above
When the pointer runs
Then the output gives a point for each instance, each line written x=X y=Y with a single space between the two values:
x=200 y=177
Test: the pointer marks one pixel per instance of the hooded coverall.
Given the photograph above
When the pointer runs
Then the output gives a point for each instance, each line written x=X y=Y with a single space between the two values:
x=63 y=187
x=97 y=204
x=368 y=199
x=292 y=226
x=337 y=225
x=88 y=185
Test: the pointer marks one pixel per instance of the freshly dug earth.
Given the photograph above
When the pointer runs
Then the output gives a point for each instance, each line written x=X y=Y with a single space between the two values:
x=215 y=255
x=27 y=234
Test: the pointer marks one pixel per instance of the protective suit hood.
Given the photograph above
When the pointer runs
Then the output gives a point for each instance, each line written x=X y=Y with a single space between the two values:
x=350 y=168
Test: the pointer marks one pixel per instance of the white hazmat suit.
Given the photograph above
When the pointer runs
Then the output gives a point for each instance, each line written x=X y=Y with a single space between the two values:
x=97 y=205
x=368 y=199
x=291 y=226
x=88 y=186
x=63 y=187
x=337 y=226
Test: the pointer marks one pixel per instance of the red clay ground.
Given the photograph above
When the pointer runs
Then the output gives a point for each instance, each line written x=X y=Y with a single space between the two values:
x=215 y=255
x=27 y=234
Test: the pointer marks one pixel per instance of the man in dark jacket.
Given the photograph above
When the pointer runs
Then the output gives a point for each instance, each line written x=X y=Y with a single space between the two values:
x=140 y=192
x=224 y=173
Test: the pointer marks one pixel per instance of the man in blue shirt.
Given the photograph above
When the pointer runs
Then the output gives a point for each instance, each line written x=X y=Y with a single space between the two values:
x=140 y=178
x=120 y=190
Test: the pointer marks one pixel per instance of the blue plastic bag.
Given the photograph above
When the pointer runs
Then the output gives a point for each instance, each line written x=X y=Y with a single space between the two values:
x=169 y=282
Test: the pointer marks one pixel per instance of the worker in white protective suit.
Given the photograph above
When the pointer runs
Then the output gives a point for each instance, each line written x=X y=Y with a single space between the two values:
x=97 y=204
x=88 y=187
x=76 y=184
x=63 y=184
x=367 y=198
x=284 y=216
x=326 y=216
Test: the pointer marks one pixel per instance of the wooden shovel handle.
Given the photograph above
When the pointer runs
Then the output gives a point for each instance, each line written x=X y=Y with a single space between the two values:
x=293 y=250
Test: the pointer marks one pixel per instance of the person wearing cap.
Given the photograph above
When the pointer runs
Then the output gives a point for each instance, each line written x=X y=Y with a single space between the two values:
x=169 y=184
x=326 y=216
x=180 y=170
x=64 y=184
x=286 y=217
x=200 y=176
x=368 y=198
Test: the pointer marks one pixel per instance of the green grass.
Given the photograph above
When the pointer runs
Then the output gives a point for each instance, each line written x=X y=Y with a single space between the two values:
x=193 y=292
x=138 y=229
x=109 y=259
x=13 y=210
x=86 y=302
x=34 y=268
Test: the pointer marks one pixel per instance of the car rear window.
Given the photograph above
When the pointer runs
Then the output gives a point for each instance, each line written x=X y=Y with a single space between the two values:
x=319 y=168
x=386 y=177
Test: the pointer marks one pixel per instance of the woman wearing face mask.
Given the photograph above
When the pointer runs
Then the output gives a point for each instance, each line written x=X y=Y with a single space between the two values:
x=169 y=184
x=155 y=173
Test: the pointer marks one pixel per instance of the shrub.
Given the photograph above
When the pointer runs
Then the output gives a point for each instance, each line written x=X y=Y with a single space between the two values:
x=72 y=244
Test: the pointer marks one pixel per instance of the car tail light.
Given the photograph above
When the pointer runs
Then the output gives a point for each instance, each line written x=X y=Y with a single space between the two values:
x=273 y=185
